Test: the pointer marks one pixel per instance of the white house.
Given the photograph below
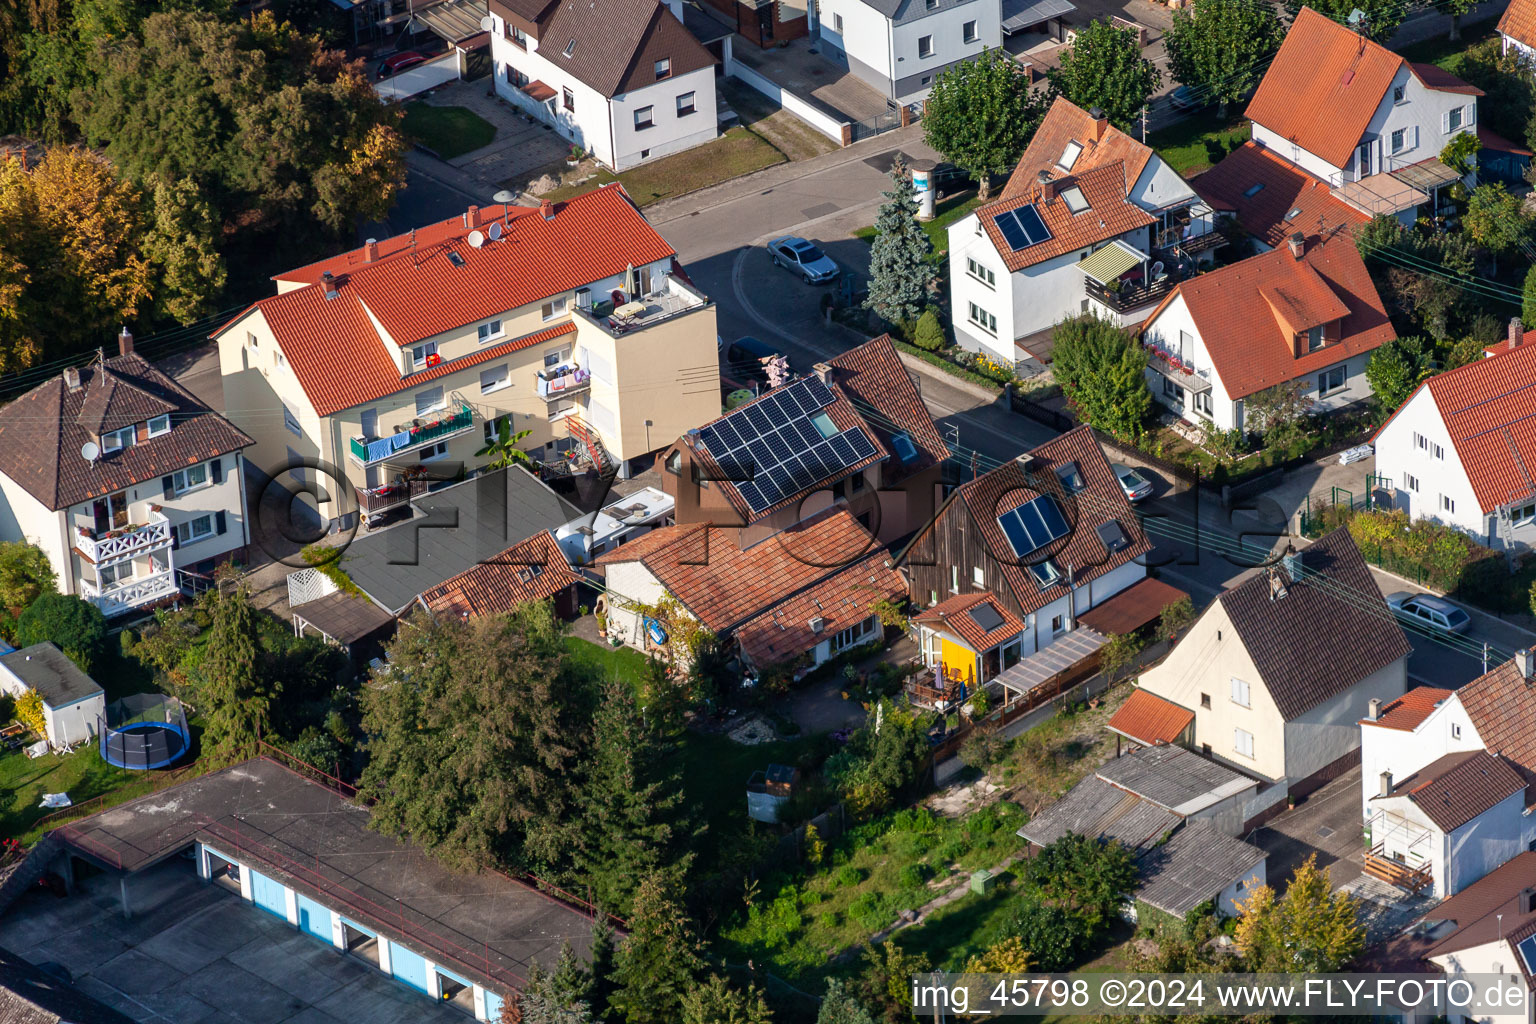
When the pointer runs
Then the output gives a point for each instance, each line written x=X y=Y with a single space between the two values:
x=1279 y=670
x=898 y=46
x=1305 y=312
x=623 y=80
x=1517 y=27
x=1460 y=450
x=1090 y=220
x=1359 y=116
x=72 y=701
x=124 y=479
x=1443 y=779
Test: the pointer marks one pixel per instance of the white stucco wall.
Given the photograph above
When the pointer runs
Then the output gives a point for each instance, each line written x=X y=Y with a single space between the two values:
x=24 y=518
x=1324 y=733
x=1446 y=730
x=1160 y=186
x=670 y=132
x=630 y=584
x=1483 y=844
x=864 y=40
x=912 y=75
x=1398 y=458
x=1241 y=889
x=1497 y=957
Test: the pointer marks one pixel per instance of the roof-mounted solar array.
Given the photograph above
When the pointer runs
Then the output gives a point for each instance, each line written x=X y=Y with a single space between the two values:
x=1033 y=525
x=1022 y=227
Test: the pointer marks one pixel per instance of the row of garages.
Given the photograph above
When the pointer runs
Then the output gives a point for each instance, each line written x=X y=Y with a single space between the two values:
x=347 y=935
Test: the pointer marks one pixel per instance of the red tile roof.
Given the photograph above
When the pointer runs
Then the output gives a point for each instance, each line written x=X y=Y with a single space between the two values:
x=1502 y=707
x=841 y=600
x=1325 y=85
x=875 y=380
x=530 y=570
x=1100 y=502
x=43 y=432
x=1519 y=21
x=1408 y=712
x=723 y=586
x=1103 y=145
x=1441 y=80
x=1454 y=789
x=415 y=292
x=1109 y=215
x=1234 y=308
x=1289 y=200
x=1147 y=718
x=1489 y=409
x=956 y=616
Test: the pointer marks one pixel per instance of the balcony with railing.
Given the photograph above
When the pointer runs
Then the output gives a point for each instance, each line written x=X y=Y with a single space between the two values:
x=108 y=547
x=674 y=298
x=1188 y=231
x=126 y=595
x=1401 y=853
x=1178 y=369
x=558 y=382
x=373 y=502
x=419 y=432
x=1124 y=295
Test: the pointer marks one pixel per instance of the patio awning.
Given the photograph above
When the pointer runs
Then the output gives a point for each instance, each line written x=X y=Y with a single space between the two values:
x=454 y=21
x=1381 y=194
x=1133 y=607
x=1046 y=664
x=538 y=91
x=1108 y=263
x=1021 y=14
x=1427 y=175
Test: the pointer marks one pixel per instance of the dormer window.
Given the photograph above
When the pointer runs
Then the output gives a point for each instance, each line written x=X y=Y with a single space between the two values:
x=159 y=425
x=117 y=440
x=1314 y=338
x=663 y=68
x=422 y=355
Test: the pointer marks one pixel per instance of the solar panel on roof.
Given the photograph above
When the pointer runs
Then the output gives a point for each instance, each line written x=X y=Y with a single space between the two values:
x=986 y=616
x=1013 y=235
x=1022 y=227
x=1033 y=525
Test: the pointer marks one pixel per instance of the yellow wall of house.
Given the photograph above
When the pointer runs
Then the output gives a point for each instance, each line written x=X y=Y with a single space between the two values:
x=257 y=386
x=959 y=661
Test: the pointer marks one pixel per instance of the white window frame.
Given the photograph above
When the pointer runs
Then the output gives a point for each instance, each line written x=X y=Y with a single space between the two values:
x=432 y=406
x=554 y=357
x=1058 y=624
x=1447 y=504
x=291 y=421
x=552 y=309
x=1411 y=482
x=1523 y=515
x=433 y=452
x=183 y=482
x=503 y=372
x=1322 y=379
x=490 y=330
x=1204 y=404
x=663 y=68
x=1242 y=738
x=1316 y=338
x=117 y=440
x=981 y=272
x=968 y=32
x=421 y=353
x=924 y=46
x=645 y=117
x=1397 y=142
x=251 y=340
x=164 y=425
x=954 y=579
x=108 y=576
x=492 y=426
x=975 y=314
x=187 y=533
x=837 y=23
x=1242 y=694
x=978 y=576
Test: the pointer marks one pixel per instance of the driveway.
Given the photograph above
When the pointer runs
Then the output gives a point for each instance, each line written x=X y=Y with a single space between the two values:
x=802 y=71
x=523 y=149
x=1327 y=824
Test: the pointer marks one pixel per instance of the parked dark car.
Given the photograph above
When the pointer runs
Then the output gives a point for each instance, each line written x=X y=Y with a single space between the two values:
x=398 y=62
x=742 y=361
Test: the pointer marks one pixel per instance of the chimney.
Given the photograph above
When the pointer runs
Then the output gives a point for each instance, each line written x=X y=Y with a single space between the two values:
x=1298 y=244
x=1386 y=783
x=547 y=210
x=1276 y=585
x=472 y=217
x=371 y=250
x=1516 y=332
x=328 y=282
x=1047 y=186
x=824 y=372
x=72 y=377
x=1374 y=713
x=125 y=342
x=1525 y=662
x=1100 y=121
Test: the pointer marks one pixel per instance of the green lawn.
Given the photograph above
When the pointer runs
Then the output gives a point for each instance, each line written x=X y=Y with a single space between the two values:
x=1443 y=53
x=1199 y=142
x=447 y=131
x=606 y=663
x=945 y=213
x=737 y=152
x=82 y=775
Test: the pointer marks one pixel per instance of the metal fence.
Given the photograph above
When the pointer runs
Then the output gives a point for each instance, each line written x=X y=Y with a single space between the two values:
x=877 y=125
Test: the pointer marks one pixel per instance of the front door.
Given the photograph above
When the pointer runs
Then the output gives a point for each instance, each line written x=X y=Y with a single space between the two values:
x=1363 y=162
x=370 y=424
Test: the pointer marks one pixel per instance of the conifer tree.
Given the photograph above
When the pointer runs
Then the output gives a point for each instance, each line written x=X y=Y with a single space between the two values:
x=237 y=701
x=898 y=267
x=659 y=961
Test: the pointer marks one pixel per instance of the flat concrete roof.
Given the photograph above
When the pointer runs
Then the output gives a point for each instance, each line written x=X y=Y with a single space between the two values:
x=486 y=926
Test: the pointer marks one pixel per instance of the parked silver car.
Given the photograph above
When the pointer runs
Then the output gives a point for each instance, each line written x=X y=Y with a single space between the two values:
x=1428 y=610
x=796 y=254
x=1135 y=486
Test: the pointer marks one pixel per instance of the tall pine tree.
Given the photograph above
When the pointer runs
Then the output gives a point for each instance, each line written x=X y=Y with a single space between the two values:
x=631 y=802
x=659 y=961
x=236 y=699
x=898 y=267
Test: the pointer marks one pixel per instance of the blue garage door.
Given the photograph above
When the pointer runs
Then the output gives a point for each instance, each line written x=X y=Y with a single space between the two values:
x=492 y=1005
x=408 y=967
x=269 y=895
x=315 y=920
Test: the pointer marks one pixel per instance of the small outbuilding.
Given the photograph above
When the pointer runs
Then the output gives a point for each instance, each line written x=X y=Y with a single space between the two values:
x=72 y=701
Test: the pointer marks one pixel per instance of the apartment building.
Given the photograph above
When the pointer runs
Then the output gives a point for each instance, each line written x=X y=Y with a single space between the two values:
x=394 y=363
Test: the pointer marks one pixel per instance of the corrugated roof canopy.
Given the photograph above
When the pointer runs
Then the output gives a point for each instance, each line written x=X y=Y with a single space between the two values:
x=454 y=21
x=1021 y=14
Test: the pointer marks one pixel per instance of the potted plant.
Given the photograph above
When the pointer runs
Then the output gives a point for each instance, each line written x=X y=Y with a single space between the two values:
x=602 y=623
x=574 y=156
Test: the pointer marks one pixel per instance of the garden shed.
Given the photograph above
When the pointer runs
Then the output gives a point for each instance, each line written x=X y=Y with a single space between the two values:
x=72 y=700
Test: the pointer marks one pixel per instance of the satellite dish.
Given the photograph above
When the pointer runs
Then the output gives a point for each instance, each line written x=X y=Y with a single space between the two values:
x=495 y=230
x=89 y=452
x=476 y=239
x=504 y=196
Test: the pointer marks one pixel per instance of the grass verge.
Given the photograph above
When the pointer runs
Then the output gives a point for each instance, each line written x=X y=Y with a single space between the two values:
x=83 y=775
x=447 y=131
x=1198 y=143
x=737 y=152
x=606 y=663
x=944 y=214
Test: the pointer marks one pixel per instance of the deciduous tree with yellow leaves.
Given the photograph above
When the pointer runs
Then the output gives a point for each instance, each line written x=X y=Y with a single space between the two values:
x=1311 y=929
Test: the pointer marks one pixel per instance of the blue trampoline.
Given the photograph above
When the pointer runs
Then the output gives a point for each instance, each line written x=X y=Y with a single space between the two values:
x=144 y=731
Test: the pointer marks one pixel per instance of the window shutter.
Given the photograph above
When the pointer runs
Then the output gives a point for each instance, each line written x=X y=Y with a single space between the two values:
x=220 y=523
x=175 y=537
x=1471 y=110
x=168 y=485
x=216 y=468
x=1445 y=123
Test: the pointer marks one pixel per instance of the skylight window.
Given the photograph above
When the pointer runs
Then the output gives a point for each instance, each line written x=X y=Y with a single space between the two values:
x=1075 y=200
x=1071 y=477
x=1045 y=573
x=905 y=449
x=570 y=47
x=1293 y=213
x=455 y=258
x=1069 y=155
x=823 y=424
x=1254 y=190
